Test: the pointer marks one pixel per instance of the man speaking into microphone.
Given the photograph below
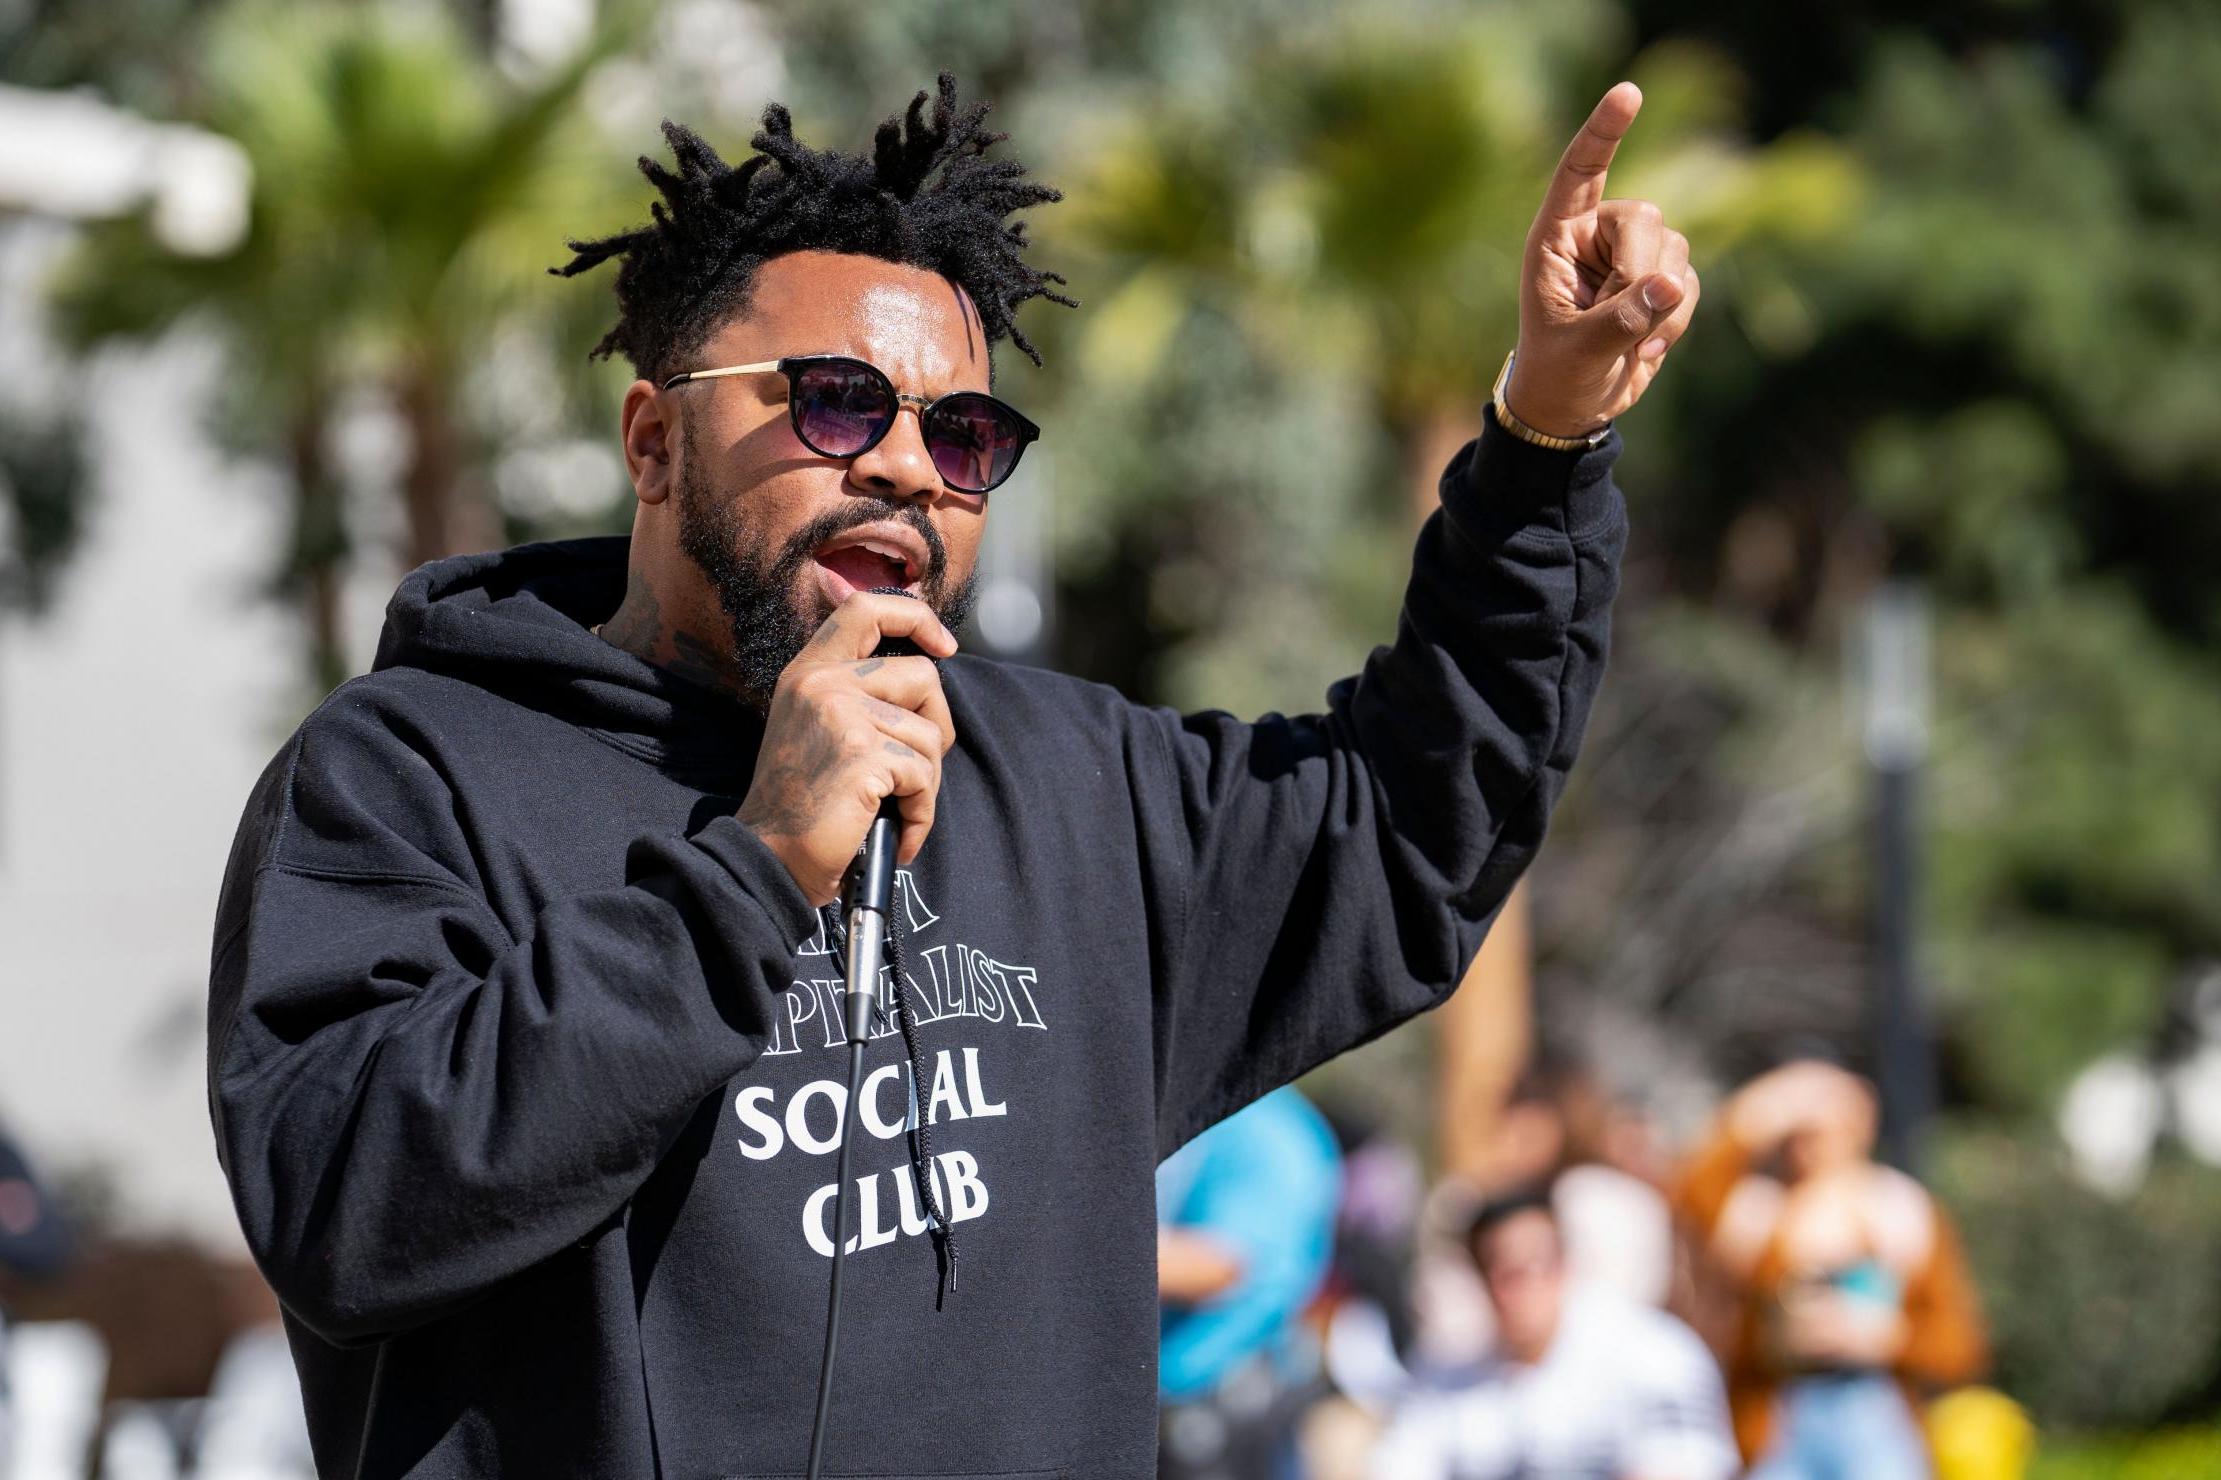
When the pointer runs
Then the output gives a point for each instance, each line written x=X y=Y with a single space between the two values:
x=526 y=1025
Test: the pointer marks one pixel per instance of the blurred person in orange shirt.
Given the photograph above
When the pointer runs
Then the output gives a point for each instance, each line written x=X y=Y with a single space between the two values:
x=1853 y=1299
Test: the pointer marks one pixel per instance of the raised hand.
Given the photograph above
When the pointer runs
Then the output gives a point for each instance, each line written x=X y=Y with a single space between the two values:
x=846 y=730
x=1776 y=1104
x=1605 y=288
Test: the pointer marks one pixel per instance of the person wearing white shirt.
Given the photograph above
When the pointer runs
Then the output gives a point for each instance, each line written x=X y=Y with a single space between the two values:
x=1581 y=1384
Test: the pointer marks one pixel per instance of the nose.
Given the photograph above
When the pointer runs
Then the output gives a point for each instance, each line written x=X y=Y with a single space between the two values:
x=899 y=467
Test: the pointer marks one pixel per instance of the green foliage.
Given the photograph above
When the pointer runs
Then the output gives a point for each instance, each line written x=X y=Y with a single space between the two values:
x=1310 y=266
x=2179 y=1454
x=2035 y=1004
x=138 y=52
x=407 y=200
x=1364 y=191
x=1999 y=376
x=1979 y=490
x=2102 y=1314
x=2075 y=793
x=2071 y=257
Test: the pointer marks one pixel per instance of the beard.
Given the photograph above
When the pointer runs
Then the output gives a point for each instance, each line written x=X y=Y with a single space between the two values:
x=761 y=597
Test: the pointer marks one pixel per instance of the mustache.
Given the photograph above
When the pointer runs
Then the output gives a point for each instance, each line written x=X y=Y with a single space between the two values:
x=839 y=521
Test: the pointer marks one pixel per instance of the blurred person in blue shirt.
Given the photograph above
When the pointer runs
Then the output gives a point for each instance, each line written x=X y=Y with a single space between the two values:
x=1245 y=1229
x=33 y=1245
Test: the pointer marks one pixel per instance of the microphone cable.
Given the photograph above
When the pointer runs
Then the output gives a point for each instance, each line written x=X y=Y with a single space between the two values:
x=867 y=899
x=840 y=1255
x=939 y=1216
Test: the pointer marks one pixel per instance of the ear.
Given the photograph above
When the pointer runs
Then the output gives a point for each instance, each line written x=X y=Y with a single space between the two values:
x=648 y=438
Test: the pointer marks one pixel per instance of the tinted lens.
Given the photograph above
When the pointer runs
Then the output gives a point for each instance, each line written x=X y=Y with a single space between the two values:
x=975 y=441
x=841 y=407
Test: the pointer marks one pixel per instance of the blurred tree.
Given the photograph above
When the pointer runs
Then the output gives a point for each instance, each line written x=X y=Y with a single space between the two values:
x=1802 y=63
x=2001 y=378
x=136 y=52
x=2103 y=1315
x=132 y=51
x=1351 y=212
x=407 y=200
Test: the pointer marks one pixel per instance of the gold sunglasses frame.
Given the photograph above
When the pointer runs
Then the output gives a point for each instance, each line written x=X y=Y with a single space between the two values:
x=791 y=367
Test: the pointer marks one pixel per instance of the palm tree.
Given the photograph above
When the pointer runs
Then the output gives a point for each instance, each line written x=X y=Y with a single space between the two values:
x=1363 y=195
x=407 y=198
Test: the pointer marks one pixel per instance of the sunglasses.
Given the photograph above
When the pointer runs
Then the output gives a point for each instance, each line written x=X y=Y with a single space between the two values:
x=842 y=408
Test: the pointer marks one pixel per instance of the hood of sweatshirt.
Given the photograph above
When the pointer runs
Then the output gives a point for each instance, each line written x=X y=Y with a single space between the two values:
x=520 y=622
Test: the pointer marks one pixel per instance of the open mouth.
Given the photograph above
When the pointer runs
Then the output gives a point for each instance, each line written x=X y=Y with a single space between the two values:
x=871 y=557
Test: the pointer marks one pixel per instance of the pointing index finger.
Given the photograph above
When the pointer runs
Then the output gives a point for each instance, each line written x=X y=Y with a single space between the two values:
x=1577 y=188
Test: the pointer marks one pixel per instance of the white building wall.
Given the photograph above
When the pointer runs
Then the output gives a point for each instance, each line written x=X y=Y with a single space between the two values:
x=135 y=715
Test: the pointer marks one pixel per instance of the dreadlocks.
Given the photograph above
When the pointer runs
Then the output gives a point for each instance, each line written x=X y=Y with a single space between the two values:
x=926 y=198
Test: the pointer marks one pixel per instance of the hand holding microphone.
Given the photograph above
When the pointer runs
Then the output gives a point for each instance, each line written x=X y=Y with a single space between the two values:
x=853 y=724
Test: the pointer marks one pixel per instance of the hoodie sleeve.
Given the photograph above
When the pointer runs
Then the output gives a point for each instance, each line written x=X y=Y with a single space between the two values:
x=1327 y=876
x=413 y=1100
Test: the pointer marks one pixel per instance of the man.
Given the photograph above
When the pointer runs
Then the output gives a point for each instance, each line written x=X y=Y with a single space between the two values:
x=1245 y=1231
x=1583 y=1383
x=524 y=1026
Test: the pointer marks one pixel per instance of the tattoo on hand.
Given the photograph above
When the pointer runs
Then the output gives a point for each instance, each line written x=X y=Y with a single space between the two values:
x=783 y=800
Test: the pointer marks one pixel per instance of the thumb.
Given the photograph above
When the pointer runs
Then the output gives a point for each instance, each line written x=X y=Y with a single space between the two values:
x=1628 y=316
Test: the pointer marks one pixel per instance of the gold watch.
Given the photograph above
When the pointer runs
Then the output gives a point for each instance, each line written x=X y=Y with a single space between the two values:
x=1526 y=433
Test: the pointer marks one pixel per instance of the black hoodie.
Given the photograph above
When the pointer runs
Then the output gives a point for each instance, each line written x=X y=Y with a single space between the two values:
x=524 y=1054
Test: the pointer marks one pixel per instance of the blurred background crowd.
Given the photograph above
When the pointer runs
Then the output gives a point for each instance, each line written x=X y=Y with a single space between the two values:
x=1846 y=1080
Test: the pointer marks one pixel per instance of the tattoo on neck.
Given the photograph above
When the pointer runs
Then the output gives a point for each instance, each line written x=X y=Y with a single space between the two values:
x=692 y=658
x=637 y=626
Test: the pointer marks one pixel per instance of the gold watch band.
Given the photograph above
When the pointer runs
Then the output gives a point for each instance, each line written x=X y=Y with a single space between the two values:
x=1526 y=433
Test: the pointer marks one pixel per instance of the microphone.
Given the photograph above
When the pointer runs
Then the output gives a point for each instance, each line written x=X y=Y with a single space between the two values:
x=867 y=891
